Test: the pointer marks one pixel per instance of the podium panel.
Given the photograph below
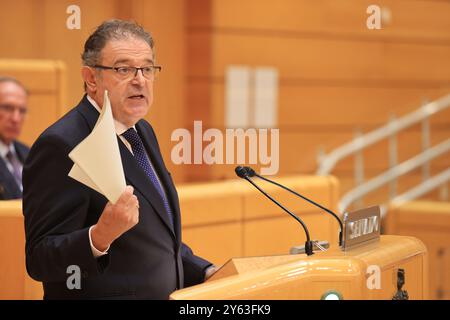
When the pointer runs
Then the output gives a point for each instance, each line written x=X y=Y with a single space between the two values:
x=429 y=221
x=393 y=267
x=16 y=284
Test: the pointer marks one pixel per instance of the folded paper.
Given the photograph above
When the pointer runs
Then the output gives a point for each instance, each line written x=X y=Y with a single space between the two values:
x=97 y=161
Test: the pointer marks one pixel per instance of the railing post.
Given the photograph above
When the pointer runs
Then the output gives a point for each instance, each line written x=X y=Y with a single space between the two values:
x=320 y=155
x=359 y=168
x=393 y=155
x=425 y=145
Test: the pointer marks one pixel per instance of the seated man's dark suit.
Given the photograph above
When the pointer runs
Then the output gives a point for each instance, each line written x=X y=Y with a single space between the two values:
x=9 y=189
x=147 y=262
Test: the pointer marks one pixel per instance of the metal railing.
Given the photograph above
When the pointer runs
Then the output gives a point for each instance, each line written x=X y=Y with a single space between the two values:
x=418 y=191
x=355 y=148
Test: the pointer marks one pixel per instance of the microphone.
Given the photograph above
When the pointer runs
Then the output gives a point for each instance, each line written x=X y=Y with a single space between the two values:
x=242 y=172
x=251 y=173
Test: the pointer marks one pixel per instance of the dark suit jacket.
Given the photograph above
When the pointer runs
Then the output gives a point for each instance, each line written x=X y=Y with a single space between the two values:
x=147 y=262
x=8 y=185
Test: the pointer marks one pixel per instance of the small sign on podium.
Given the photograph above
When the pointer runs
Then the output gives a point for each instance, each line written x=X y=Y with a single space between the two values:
x=361 y=227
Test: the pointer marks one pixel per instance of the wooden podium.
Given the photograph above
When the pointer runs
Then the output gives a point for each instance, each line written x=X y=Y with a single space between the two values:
x=393 y=266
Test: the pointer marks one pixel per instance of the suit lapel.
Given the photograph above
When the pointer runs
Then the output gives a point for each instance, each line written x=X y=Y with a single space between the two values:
x=163 y=175
x=137 y=177
x=9 y=184
x=89 y=113
x=21 y=151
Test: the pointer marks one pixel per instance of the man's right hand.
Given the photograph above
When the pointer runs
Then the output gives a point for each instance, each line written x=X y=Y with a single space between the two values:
x=115 y=220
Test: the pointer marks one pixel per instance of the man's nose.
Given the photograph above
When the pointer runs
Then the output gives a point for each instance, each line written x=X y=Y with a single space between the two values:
x=16 y=115
x=139 y=78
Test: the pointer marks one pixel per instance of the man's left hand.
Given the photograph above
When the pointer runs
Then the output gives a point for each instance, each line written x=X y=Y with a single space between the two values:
x=210 y=271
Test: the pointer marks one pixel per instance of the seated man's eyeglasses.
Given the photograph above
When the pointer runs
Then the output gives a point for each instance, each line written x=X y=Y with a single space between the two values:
x=125 y=72
x=9 y=109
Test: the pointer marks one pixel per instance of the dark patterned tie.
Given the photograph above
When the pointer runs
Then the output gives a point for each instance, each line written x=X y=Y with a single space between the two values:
x=139 y=154
x=17 y=167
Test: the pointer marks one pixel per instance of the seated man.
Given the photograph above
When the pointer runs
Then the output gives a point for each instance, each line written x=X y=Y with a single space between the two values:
x=13 y=108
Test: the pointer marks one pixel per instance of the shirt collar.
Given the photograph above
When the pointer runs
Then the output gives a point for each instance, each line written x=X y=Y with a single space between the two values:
x=119 y=126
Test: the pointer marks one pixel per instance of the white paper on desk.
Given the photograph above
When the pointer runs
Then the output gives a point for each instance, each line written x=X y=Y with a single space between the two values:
x=97 y=161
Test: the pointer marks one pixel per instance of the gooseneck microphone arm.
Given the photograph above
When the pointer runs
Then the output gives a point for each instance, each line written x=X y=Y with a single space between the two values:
x=308 y=244
x=252 y=173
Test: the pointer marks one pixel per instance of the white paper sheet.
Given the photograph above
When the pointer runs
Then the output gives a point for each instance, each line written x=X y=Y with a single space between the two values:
x=97 y=162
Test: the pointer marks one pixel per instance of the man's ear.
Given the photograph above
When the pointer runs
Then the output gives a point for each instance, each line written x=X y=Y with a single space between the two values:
x=88 y=75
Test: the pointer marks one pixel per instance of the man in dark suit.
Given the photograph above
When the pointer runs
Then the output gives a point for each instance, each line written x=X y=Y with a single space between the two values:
x=128 y=250
x=13 y=108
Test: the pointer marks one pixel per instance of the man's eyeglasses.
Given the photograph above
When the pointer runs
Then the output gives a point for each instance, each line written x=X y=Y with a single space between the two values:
x=149 y=72
x=9 y=109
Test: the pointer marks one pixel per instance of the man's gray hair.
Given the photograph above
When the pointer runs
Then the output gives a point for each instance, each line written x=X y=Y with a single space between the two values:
x=14 y=80
x=111 y=30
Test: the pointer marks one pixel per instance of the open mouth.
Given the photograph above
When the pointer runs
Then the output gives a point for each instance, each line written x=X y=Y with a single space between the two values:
x=136 y=97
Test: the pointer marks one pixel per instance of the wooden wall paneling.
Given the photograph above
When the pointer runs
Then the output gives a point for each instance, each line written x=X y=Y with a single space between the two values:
x=318 y=105
x=59 y=42
x=204 y=203
x=8 y=277
x=17 y=40
x=46 y=82
x=276 y=235
x=333 y=59
x=412 y=20
x=217 y=243
x=166 y=20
